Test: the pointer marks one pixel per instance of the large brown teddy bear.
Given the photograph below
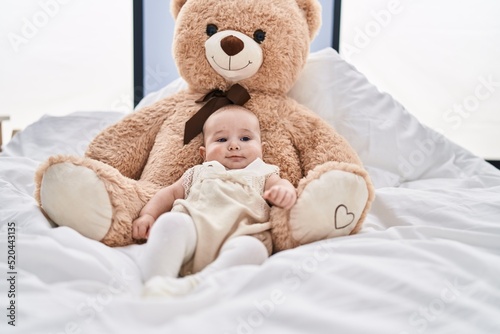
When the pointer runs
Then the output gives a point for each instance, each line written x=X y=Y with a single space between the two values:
x=240 y=49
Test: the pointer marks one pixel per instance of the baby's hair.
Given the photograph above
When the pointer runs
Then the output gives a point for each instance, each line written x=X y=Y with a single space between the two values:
x=229 y=107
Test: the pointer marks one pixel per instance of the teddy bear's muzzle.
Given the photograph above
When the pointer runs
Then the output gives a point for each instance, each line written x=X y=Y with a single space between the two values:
x=233 y=55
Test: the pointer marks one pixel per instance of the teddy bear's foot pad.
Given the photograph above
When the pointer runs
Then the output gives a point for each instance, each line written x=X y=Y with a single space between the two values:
x=74 y=196
x=332 y=203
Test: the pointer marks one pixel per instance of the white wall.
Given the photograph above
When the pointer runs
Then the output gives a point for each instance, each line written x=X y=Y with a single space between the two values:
x=60 y=56
x=440 y=59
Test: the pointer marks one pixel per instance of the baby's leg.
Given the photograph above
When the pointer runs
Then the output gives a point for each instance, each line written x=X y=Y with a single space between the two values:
x=237 y=251
x=171 y=242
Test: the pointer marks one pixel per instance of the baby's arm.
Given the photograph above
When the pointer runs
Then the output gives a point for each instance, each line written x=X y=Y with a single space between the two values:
x=160 y=203
x=280 y=192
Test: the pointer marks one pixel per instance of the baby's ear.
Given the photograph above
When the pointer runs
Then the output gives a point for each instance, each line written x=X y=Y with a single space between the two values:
x=203 y=152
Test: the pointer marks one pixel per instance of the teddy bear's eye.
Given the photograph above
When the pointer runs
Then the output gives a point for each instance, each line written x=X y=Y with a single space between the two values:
x=211 y=29
x=259 y=36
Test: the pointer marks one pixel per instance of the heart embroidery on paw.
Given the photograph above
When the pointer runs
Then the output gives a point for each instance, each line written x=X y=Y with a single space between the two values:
x=343 y=217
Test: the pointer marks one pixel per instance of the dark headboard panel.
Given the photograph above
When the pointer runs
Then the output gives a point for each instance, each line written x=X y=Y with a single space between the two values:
x=138 y=51
x=336 y=24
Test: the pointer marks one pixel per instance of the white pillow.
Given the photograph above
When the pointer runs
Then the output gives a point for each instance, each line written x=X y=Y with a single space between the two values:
x=394 y=146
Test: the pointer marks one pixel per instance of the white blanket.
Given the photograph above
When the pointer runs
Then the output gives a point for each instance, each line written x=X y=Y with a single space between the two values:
x=426 y=261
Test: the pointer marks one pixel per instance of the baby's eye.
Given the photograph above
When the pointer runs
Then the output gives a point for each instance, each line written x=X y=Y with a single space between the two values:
x=221 y=140
x=245 y=138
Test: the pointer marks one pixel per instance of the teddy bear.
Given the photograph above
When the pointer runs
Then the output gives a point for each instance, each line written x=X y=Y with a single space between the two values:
x=228 y=52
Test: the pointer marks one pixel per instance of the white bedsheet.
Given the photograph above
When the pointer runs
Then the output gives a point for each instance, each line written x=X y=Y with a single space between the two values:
x=426 y=261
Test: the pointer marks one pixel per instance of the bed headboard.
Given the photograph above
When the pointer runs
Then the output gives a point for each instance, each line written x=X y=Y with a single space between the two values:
x=153 y=26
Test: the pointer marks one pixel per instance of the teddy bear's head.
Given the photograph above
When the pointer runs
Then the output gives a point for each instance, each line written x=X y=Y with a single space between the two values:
x=260 y=44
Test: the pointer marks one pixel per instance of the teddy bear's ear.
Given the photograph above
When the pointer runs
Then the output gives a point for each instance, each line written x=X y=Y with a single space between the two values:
x=175 y=7
x=312 y=10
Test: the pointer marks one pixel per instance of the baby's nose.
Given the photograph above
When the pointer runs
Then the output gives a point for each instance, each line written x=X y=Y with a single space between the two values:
x=234 y=145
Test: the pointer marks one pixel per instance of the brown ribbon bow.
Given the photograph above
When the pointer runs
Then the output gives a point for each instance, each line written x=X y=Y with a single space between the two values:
x=216 y=99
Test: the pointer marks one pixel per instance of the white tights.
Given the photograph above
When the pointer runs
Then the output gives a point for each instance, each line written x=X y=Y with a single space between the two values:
x=172 y=242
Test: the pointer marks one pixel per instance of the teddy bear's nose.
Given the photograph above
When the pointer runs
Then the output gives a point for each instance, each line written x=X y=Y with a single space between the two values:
x=232 y=45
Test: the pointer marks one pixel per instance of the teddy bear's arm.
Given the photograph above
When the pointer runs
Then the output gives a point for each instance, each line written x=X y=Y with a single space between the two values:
x=317 y=142
x=126 y=144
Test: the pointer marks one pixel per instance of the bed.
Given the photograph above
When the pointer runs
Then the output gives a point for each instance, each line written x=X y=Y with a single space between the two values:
x=426 y=261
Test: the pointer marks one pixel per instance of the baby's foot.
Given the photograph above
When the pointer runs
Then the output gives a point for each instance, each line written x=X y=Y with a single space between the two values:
x=160 y=286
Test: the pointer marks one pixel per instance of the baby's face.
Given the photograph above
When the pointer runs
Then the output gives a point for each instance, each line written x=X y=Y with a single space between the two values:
x=232 y=137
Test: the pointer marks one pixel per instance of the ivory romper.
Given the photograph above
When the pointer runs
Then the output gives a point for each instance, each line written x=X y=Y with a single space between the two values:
x=224 y=204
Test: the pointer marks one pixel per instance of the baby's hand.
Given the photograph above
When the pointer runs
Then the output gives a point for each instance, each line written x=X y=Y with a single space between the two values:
x=284 y=197
x=141 y=227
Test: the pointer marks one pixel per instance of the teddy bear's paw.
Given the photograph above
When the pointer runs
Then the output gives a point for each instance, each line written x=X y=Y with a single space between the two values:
x=74 y=196
x=329 y=206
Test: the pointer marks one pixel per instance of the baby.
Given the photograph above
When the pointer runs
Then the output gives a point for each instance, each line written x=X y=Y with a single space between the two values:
x=217 y=214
